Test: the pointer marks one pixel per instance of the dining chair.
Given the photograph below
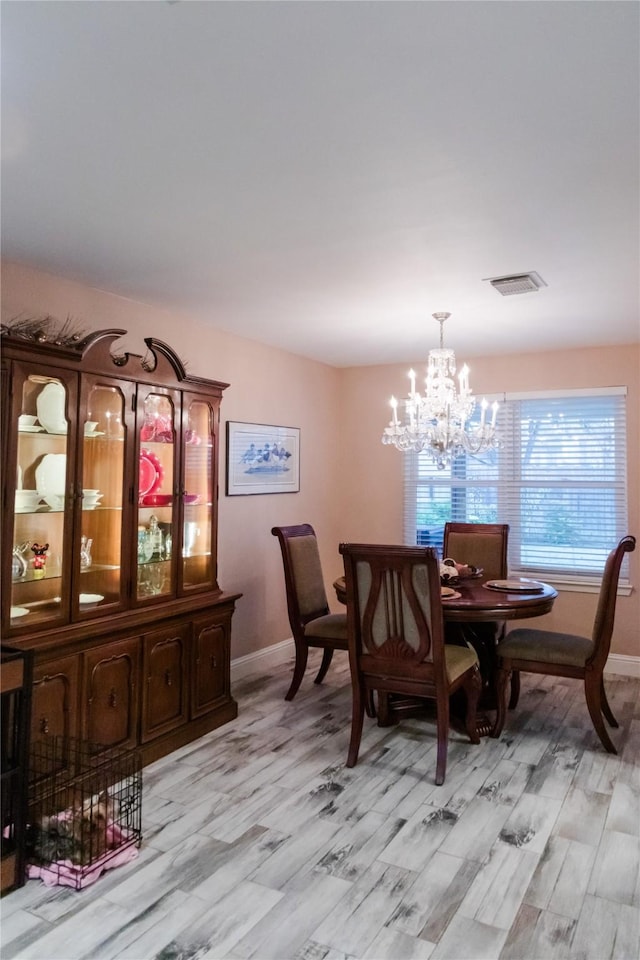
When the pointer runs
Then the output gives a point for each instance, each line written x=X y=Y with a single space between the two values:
x=482 y=545
x=311 y=622
x=396 y=639
x=566 y=655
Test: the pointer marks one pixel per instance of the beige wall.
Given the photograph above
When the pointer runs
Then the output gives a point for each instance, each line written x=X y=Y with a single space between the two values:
x=351 y=486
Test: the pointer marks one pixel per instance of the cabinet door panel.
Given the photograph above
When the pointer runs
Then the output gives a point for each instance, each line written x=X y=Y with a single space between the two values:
x=165 y=688
x=199 y=494
x=42 y=494
x=210 y=673
x=111 y=694
x=54 y=709
x=105 y=484
x=158 y=414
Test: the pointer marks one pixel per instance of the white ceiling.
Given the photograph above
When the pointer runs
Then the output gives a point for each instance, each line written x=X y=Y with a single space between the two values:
x=324 y=176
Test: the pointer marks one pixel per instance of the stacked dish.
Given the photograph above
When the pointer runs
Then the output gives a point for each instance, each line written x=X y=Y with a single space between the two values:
x=91 y=499
x=27 y=501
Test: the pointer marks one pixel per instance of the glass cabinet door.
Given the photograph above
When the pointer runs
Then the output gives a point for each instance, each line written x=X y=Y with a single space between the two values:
x=156 y=495
x=198 y=551
x=44 y=498
x=100 y=548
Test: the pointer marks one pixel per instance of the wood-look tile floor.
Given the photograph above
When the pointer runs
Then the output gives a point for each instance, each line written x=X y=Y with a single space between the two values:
x=259 y=842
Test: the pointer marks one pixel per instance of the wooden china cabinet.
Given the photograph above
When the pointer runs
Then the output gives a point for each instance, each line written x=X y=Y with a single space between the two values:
x=109 y=559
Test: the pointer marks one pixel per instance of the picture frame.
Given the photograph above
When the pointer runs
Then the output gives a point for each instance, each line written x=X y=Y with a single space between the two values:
x=262 y=458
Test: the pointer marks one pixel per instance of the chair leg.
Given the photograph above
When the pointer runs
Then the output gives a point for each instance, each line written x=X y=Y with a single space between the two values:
x=515 y=689
x=370 y=705
x=592 y=685
x=298 y=671
x=606 y=709
x=501 y=691
x=384 y=711
x=327 y=655
x=357 y=718
x=472 y=687
x=442 y=728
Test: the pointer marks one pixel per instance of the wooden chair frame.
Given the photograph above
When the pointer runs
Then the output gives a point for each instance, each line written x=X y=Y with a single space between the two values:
x=597 y=650
x=464 y=542
x=396 y=638
x=312 y=623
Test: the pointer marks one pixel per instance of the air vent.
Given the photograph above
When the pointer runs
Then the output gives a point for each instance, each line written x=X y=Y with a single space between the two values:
x=517 y=283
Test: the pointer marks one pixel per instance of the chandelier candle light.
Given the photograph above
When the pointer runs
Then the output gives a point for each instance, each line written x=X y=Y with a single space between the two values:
x=438 y=421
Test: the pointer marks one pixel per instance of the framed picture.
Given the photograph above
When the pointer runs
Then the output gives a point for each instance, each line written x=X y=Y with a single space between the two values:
x=262 y=459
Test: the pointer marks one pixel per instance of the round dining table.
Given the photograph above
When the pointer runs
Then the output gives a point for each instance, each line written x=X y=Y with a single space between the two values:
x=474 y=601
x=475 y=614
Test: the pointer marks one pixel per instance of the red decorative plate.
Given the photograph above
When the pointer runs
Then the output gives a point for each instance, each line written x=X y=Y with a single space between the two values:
x=150 y=474
x=157 y=500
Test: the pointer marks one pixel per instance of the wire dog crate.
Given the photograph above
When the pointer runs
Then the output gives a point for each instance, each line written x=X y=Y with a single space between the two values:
x=85 y=809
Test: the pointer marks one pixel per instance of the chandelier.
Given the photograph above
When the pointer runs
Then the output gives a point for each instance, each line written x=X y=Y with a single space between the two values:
x=438 y=420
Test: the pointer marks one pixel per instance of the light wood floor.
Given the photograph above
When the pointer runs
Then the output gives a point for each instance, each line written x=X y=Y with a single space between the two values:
x=259 y=842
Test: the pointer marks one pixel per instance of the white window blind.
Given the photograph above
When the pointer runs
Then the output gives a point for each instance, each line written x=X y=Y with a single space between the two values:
x=559 y=480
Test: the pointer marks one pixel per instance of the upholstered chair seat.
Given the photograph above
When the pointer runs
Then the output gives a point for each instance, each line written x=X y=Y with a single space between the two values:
x=525 y=644
x=332 y=626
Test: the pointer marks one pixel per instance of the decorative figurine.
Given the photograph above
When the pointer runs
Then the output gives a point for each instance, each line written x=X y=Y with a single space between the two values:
x=39 y=559
x=85 y=552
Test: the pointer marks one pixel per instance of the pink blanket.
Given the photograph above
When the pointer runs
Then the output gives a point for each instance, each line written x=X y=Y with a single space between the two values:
x=71 y=874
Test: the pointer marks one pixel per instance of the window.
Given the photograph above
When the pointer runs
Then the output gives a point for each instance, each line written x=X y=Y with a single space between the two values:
x=559 y=481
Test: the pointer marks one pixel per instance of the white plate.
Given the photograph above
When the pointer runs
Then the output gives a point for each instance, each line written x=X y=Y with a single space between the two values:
x=51 y=475
x=30 y=429
x=18 y=612
x=517 y=584
x=50 y=407
x=448 y=593
x=90 y=598
x=94 y=433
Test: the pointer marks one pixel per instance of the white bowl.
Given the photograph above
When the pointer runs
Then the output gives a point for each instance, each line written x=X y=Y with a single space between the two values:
x=26 y=420
x=89 y=599
x=55 y=501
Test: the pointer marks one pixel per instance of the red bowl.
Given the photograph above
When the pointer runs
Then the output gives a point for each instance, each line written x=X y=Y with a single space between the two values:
x=191 y=497
x=157 y=500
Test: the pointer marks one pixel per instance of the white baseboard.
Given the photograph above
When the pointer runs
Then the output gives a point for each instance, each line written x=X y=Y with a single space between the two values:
x=263 y=659
x=277 y=653
x=621 y=664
